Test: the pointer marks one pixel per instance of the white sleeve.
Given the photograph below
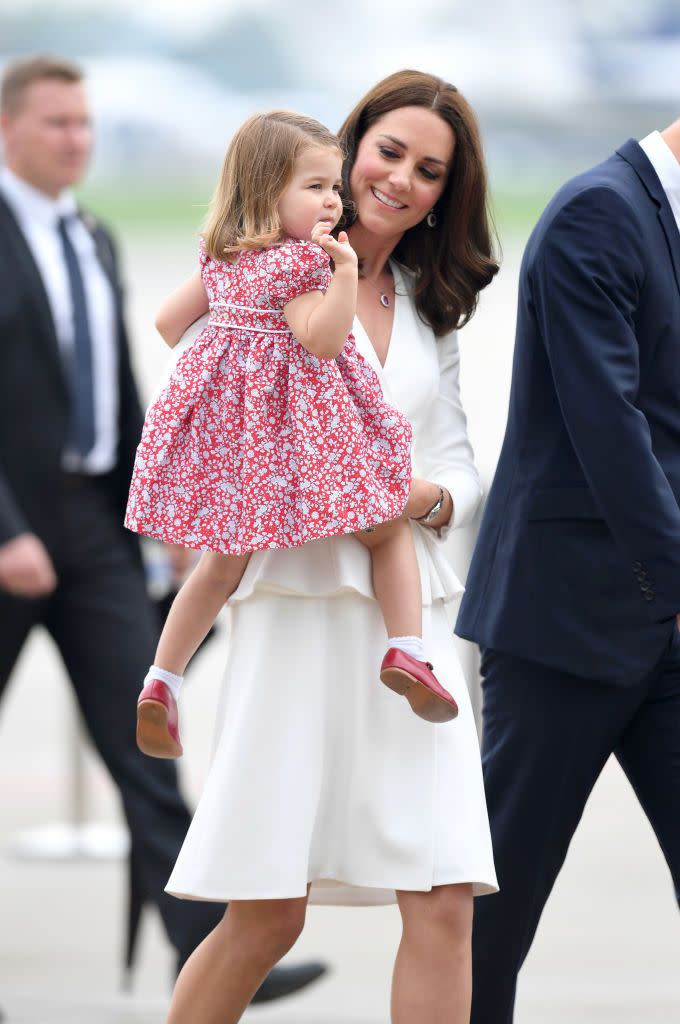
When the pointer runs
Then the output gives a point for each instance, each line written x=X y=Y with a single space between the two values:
x=443 y=452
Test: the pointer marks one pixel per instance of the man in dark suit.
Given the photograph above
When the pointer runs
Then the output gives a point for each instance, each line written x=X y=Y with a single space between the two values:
x=574 y=589
x=70 y=420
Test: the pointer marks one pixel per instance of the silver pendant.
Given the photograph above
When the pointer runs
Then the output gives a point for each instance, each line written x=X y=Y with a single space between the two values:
x=385 y=300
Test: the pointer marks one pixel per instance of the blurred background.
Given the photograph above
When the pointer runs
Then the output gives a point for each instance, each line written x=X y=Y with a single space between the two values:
x=557 y=86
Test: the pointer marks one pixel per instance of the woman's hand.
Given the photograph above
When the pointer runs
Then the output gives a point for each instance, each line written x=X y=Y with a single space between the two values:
x=423 y=495
x=340 y=251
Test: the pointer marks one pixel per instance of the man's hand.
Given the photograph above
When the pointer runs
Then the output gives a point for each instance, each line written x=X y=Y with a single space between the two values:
x=26 y=569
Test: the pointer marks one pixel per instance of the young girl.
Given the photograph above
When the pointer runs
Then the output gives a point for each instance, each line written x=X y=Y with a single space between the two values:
x=272 y=431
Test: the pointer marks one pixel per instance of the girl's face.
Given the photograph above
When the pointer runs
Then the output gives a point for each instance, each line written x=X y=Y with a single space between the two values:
x=312 y=195
x=400 y=170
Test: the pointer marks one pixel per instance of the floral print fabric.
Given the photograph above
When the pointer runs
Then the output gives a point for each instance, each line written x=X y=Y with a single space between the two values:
x=256 y=443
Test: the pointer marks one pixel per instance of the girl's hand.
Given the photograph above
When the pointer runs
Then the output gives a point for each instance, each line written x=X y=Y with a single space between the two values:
x=340 y=251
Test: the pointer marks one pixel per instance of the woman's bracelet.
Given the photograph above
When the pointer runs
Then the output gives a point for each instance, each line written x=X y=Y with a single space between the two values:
x=434 y=511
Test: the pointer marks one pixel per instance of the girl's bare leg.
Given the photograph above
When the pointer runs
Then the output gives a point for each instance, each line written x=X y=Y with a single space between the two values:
x=396 y=578
x=196 y=607
x=222 y=974
x=432 y=981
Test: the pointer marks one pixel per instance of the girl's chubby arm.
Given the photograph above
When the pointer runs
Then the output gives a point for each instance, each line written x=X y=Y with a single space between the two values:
x=321 y=322
x=185 y=305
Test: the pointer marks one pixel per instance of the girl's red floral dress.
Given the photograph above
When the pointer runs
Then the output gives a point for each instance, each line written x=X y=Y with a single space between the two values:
x=256 y=443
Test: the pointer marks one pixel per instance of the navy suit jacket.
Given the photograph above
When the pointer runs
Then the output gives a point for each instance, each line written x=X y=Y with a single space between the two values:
x=577 y=564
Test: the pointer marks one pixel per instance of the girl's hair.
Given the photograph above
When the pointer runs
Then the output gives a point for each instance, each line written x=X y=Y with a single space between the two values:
x=454 y=260
x=257 y=167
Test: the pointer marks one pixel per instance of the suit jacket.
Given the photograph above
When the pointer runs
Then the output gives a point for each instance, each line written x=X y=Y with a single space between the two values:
x=577 y=564
x=34 y=400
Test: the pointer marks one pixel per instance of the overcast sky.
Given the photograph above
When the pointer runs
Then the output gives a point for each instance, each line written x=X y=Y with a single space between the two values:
x=183 y=15
x=537 y=15
x=530 y=53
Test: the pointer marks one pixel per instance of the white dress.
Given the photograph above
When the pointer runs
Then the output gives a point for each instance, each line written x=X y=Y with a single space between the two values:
x=320 y=773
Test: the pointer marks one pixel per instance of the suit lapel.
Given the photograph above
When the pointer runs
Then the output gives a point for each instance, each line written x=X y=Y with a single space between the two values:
x=27 y=268
x=633 y=154
x=668 y=223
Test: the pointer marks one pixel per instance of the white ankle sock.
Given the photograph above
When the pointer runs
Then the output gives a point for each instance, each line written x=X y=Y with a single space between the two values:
x=172 y=681
x=412 y=645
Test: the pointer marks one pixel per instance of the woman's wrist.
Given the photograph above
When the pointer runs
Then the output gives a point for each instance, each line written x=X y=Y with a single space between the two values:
x=424 y=496
x=445 y=516
x=433 y=510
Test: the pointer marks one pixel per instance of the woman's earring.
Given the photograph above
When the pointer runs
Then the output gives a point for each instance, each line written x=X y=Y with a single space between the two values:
x=431 y=219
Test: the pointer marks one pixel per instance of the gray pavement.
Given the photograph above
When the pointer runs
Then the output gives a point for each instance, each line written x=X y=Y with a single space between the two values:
x=608 y=948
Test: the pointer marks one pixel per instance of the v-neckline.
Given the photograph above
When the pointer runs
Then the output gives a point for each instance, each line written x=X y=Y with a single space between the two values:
x=397 y=282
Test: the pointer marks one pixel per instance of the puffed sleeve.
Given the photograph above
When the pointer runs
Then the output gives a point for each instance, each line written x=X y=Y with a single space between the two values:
x=296 y=268
x=202 y=254
x=442 y=448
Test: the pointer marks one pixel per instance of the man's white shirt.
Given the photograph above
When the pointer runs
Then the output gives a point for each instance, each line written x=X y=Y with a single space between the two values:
x=667 y=168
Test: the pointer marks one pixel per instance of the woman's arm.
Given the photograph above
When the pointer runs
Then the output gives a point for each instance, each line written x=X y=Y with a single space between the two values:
x=423 y=496
x=185 y=305
x=443 y=450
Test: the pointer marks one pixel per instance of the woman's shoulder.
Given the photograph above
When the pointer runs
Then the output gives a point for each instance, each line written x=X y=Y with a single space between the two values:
x=407 y=279
x=410 y=276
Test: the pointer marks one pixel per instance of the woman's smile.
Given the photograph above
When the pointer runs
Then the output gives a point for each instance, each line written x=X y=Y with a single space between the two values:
x=385 y=200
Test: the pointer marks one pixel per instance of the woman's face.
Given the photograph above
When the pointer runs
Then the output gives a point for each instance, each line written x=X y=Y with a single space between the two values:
x=400 y=170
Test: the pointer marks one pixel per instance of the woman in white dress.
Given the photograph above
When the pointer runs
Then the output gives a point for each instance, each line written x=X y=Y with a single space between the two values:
x=324 y=786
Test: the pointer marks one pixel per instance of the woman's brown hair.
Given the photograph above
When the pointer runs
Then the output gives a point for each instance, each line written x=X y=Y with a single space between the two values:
x=454 y=260
x=257 y=167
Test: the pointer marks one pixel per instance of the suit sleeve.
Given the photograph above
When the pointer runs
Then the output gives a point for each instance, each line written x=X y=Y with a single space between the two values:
x=12 y=522
x=585 y=283
x=443 y=449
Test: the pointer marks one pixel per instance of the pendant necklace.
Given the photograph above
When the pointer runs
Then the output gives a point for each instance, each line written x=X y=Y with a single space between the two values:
x=385 y=300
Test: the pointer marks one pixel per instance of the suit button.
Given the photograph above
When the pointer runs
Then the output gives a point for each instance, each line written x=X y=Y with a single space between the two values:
x=637 y=566
x=649 y=595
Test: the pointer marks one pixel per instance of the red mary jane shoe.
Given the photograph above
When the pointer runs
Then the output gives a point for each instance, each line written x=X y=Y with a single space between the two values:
x=158 y=721
x=416 y=681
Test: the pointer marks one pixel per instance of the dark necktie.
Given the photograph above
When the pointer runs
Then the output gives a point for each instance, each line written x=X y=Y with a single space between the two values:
x=81 y=430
